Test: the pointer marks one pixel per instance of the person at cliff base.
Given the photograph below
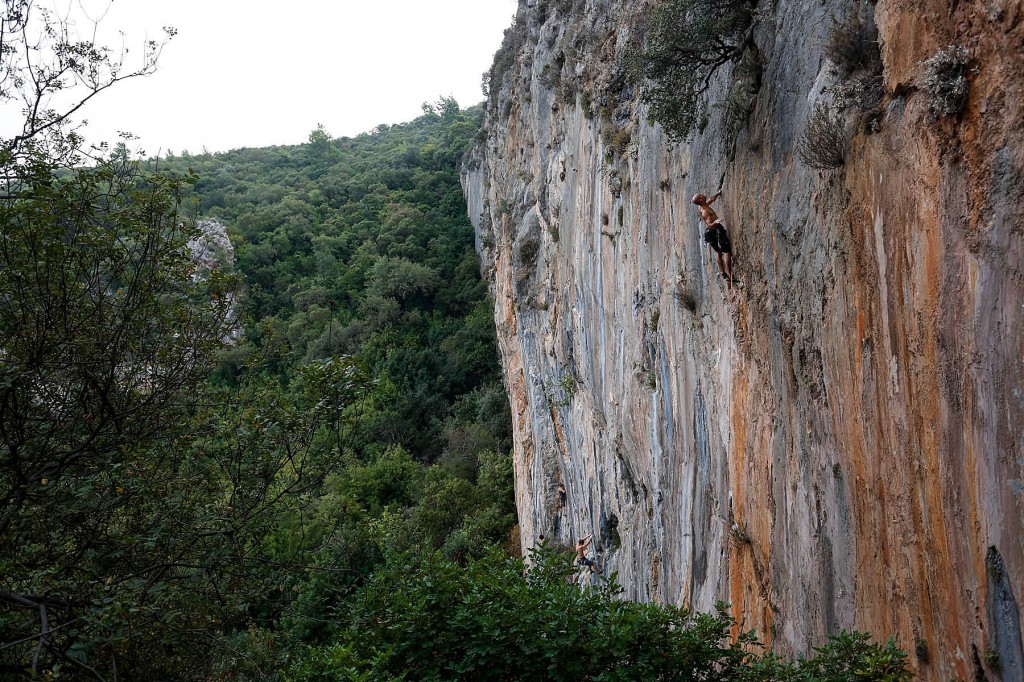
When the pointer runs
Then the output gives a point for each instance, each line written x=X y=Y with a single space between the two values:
x=716 y=234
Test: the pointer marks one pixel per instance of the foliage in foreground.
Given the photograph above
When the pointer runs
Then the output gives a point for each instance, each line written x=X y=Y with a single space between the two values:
x=496 y=619
x=158 y=521
x=104 y=335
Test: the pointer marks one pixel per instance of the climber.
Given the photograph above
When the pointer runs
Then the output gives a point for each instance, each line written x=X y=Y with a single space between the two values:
x=560 y=489
x=581 y=554
x=716 y=235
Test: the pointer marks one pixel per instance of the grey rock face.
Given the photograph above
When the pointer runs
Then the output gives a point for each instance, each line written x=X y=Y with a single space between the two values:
x=211 y=247
x=838 y=443
x=212 y=250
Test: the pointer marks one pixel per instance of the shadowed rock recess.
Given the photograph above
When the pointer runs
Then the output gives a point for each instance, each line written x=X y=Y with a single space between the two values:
x=840 y=444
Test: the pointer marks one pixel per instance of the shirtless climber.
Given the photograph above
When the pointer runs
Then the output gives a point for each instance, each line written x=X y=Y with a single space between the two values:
x=581 y=554
x=716 y=235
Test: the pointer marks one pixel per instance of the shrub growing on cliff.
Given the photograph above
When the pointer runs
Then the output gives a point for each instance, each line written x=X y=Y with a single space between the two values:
x=853 y=47
x=945 y=81
x=861 y=93
x=823 y=143
x=689 y=41
x=504 y=58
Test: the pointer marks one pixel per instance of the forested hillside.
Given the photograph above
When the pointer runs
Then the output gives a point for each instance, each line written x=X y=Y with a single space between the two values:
x=361 y=246
x=198 y=471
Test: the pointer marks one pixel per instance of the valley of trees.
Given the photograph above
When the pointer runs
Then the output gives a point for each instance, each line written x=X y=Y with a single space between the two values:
x=296 y=467
x=172 y=496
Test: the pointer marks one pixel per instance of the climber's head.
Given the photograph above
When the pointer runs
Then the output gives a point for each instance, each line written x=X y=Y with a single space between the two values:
x=699 y=199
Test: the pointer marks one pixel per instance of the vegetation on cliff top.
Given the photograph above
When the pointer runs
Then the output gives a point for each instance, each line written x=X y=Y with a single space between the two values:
x=689 y=41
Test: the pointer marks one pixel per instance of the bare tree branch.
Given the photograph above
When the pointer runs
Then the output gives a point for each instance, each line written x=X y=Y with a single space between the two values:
x=41 y=57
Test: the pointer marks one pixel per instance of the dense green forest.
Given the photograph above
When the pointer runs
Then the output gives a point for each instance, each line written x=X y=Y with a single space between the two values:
x=359 y=417
x=294 y=466
x=361 y=247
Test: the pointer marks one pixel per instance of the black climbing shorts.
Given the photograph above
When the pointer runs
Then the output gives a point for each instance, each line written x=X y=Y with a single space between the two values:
x=718 y=238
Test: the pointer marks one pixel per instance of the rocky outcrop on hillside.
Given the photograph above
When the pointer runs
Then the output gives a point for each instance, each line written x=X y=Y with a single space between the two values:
x=211 y=247
x=838 y=444
x=211 y=250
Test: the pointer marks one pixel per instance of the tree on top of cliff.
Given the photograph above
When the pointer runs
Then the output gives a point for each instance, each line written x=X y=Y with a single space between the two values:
x=688 y=42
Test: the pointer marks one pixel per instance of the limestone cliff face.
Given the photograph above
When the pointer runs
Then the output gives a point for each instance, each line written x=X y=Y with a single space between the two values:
x=840 y=444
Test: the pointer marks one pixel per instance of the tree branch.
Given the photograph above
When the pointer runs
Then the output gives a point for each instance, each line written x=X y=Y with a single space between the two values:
x=8 y=645
x=43 y=631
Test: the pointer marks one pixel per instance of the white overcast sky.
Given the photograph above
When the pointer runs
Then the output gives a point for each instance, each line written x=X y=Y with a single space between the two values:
x=253 y=73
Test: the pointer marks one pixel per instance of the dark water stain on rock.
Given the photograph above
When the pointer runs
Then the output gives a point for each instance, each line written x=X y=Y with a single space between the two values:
x=1004 y=619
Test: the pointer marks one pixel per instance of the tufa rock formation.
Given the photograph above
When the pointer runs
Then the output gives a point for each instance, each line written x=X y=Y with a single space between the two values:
x=840 y=443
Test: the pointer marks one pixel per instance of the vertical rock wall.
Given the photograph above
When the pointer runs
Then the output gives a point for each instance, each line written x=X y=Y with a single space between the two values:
x=841 y=443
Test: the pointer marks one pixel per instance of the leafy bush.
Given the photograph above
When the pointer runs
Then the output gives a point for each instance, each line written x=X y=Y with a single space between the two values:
x=689 y=41
x=945 y=81
x=823 y=143
x=496 y=619
x=440 y=621
x=851 y=657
